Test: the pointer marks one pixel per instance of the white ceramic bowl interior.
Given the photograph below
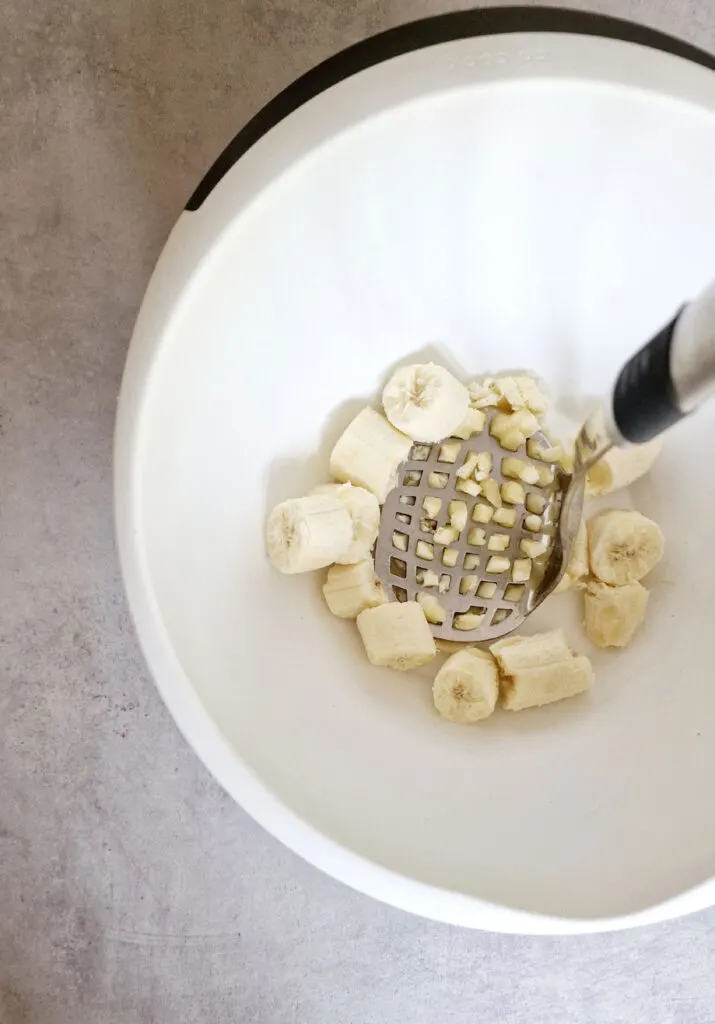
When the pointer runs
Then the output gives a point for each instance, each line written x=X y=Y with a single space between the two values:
x=530 y=199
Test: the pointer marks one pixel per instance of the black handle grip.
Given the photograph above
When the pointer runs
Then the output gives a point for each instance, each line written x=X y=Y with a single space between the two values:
x=644 y=399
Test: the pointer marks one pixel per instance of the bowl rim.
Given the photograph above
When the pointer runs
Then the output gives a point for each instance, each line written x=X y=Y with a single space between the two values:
x=192 y=718
x=416 y=35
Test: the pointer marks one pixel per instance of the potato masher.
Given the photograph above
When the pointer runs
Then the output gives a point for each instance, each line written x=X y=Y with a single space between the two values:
x=664 y=381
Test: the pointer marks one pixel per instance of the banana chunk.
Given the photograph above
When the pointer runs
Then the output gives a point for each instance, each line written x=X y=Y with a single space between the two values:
x=539 y=670
x=623 y=546
x=467 y=686
x=397 y=635
x=621 y=467
x=364 y=510
x=308 y=533
x=425 y=402
x=577 y=566
x=369 y=453
x=350 y=589
x=613 y=614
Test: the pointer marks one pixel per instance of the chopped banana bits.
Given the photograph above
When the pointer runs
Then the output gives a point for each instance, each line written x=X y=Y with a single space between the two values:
x=469 y=487
x=498 y=542
x=505 y=517
x=483 y=514
x=458 y=515
x=533 y=523
x=474 y=423
x=535 y=503
x=432 y=506
x=446 y=535
x=513 y=493
x=424 y=550
x=468 y=620
x=449 y=452
x=521 y=570
x=434 y=612
x=449 y=557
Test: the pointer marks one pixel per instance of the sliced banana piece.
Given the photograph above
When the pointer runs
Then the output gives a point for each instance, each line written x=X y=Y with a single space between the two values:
x=621 y=467
x=308 y=533
x=539 y=669
x=613 y=614
x=397 y=635
x=369 y=453
x=425 y=401
x=350 y=589
x=364 y=510
x=467 y=686
x=623 y=546
x=577 y=566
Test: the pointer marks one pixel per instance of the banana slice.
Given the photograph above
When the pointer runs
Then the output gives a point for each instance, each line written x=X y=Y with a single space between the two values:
x=467 y=686
x=364 y=510
x=397 y=635
x=369 y=453
x=577 y=566
x=308 y=533
x=613 y=614
x=446 y=535
x=623 y=546
x=350 y=589
x=425 y=402
x=539 y=669
x=621 y=467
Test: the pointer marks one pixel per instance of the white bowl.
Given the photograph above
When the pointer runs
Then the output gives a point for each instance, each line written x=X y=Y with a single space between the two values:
x=502 y=189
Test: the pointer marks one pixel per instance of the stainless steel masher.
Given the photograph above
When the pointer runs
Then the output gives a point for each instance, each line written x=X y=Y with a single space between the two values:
x=473 y=577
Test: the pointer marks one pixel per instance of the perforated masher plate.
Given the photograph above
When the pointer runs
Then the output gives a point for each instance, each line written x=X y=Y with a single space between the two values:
x=403 y=515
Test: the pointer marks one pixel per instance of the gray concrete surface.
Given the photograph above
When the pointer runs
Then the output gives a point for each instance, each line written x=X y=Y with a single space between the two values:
x=131 y=888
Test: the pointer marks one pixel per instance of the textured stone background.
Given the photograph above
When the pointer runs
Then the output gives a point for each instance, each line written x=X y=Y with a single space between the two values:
x=131 y=888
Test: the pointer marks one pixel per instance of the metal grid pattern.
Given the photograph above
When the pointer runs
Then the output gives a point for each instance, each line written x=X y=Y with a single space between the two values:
x=403 y=517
